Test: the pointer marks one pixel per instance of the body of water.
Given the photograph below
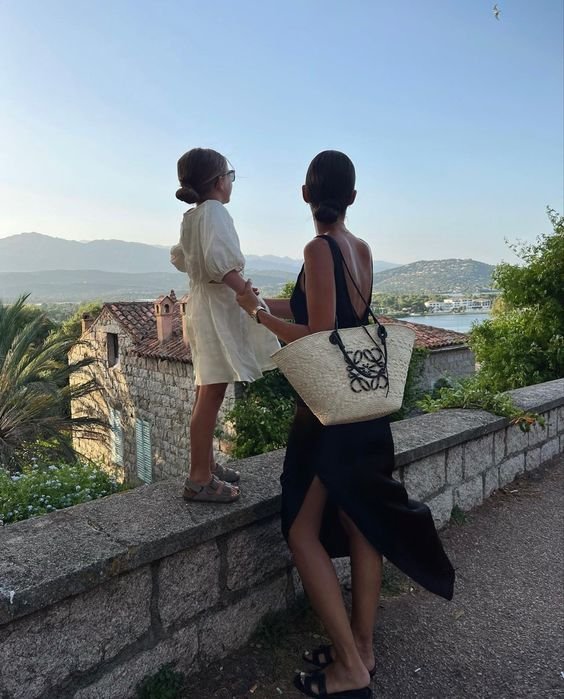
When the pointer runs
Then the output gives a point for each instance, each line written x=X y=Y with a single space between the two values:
x=461 y=322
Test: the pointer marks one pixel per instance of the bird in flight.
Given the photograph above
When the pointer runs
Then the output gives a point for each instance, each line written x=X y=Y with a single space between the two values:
x=496 y=11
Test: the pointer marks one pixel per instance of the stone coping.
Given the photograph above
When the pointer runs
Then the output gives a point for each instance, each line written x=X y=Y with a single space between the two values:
x=46 y=559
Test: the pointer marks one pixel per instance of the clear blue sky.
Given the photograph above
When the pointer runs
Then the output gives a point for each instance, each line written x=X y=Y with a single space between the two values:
x=453 y=119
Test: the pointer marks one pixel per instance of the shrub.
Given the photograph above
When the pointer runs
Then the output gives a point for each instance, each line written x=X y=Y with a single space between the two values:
x=473 y=393
x=523 y=343
x=40 y=488
x=262 y=417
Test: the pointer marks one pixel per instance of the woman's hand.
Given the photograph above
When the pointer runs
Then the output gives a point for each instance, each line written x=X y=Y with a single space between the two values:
x=247 y=299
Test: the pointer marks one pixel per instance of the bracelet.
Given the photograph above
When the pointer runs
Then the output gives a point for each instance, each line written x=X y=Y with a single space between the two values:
x=255 y=313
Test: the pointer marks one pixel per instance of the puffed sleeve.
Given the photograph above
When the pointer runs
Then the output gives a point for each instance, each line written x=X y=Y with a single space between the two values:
x=177 y=257
x=220 y=243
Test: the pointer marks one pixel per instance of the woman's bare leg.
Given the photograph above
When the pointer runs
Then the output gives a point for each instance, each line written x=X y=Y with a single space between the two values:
x=323 y=589
x=366 y=578
x=202 y=425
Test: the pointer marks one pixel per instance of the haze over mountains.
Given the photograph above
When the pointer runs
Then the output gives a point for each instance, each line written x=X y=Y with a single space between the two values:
x=34 y=252
x=56 y=270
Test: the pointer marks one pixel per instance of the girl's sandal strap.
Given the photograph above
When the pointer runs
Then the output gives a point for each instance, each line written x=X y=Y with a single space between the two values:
x=224 y=473
x=214 y=491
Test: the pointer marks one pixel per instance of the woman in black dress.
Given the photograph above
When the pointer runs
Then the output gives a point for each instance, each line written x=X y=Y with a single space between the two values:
x=339 y=497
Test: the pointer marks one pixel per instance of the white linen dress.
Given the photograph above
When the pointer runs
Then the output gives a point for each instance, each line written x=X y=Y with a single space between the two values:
x=227 y=344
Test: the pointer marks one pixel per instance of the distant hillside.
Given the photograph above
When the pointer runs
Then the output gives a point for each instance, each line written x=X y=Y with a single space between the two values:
x=34 y=252
x=436 y=276
x=56 y=286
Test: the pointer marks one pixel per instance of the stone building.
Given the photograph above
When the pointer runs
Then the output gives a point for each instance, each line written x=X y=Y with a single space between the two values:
x=144 y=369
x=448 y=353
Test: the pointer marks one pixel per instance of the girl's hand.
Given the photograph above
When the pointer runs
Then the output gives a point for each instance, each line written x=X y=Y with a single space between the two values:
x=248 y=298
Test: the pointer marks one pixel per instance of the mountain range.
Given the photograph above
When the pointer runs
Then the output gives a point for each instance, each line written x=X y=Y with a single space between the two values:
x=56 y=270
x=35 y=252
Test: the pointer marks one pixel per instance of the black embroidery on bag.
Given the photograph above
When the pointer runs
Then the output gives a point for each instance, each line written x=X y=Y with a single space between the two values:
x=367 y=369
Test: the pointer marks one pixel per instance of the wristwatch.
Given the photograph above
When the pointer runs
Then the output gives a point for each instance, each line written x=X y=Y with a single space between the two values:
x=255 y=313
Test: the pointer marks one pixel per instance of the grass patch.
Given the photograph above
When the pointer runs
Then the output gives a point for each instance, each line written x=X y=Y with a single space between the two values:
x=458 y=516
x=164 y=684
x=278 y=629
x=394 y=582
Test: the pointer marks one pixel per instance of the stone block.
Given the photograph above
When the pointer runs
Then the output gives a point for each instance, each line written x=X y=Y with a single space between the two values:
x=254 y=553
x=532 y=459
x=491 y=481
x=469 y=494
x=516 y=440
x=225 y=630
x=296 y=583
x=426 y=476
x=499 y=446
x=454 y=459
x=181 y=650
x=560 y=420
x=441 y=507
x=343 y=570
x=42 y=650
x=552 y=423
x=538 y=434
x=188 y=582
x=550 y=450
x=478 y=456
x=510 y=468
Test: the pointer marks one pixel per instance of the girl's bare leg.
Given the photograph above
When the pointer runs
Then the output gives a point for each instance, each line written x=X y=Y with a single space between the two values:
x=202 y=425
x=212 y=456
x=323 y=589
x=366 y=577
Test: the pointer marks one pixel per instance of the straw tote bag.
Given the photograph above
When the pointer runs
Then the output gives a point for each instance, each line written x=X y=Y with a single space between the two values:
x=351 y=374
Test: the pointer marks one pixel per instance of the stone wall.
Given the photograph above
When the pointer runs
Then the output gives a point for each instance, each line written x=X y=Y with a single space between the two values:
x=159 y=391
x=95 y=597
x=454 y=362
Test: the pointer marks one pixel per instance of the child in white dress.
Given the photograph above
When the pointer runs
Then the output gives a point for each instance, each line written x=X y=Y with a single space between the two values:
x=226 y=344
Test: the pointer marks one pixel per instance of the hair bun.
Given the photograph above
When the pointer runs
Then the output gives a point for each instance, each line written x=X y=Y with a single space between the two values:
x=188 y=194
x=328 y=211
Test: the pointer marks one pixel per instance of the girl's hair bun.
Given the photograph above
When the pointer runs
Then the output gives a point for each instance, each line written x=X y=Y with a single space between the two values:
x=328 y=211
x=188 y=194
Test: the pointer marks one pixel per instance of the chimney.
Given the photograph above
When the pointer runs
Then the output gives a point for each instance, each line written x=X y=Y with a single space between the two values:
x=183 y=301
x=164 y=314
x=87 y=321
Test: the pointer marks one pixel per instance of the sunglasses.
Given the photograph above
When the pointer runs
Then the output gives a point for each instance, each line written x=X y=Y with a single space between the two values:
x=229 y=173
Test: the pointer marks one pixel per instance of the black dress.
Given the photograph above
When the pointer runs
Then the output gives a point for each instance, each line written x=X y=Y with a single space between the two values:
x=355 y=463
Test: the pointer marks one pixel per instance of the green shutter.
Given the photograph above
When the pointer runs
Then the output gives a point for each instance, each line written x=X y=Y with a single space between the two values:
x=143 y=444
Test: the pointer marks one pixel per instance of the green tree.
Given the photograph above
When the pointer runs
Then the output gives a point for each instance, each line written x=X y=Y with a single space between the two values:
x=287 y=290
x=35 y=385
x=523 y=343
x=72 y=326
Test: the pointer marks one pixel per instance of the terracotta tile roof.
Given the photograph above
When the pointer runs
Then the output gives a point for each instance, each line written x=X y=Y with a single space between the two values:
x=138 y=319
x=173 y=349
x=430 y=337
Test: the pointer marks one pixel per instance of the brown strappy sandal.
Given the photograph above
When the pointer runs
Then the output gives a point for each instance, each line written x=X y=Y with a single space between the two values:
x=224 y=473
x=214 y=491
